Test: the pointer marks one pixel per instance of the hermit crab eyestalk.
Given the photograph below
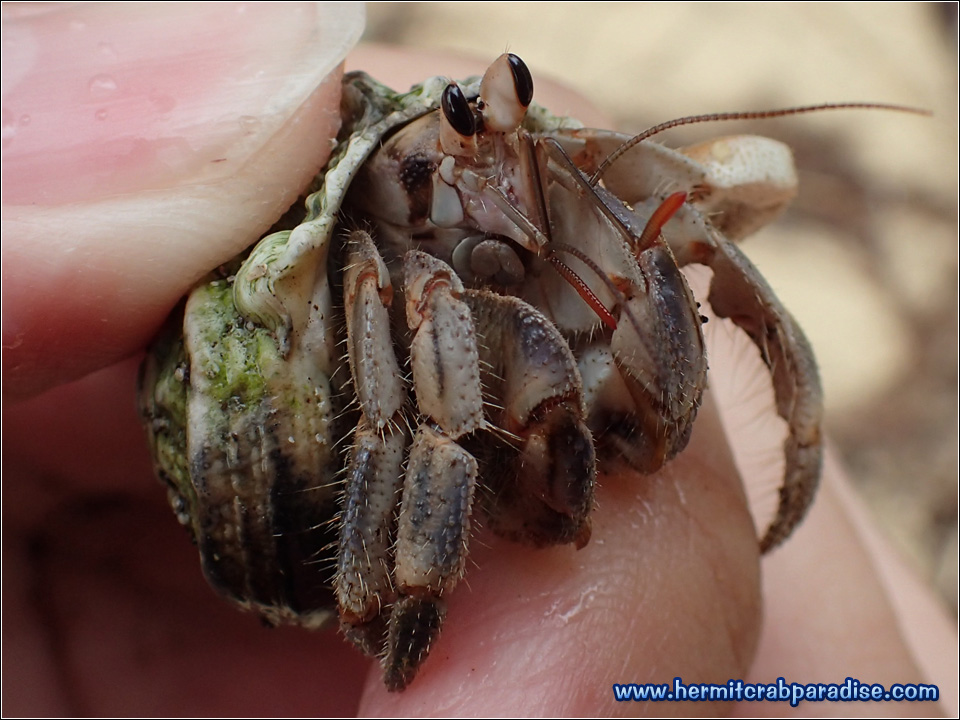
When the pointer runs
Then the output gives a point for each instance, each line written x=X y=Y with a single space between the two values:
x=505 y=91
x=458 y=125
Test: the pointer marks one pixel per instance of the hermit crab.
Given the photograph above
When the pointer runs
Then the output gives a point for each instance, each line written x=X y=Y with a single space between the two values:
x=481 y=302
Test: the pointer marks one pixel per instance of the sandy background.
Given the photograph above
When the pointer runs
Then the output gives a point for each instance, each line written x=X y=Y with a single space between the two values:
x=867 y=256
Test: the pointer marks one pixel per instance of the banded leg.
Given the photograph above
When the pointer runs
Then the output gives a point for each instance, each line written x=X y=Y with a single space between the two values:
x=545 y=494
x=438 y=490
x=432 y=538
x=363 y=584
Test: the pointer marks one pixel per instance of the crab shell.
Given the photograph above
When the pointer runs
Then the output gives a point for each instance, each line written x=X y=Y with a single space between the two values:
x=246 y=396
x=243 y=430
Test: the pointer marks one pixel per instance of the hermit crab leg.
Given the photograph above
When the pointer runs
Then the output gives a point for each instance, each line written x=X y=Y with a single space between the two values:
x=363 y=581
x=443 y=353
x=368 y=295
x=434 y=527
x=438 y=489
x=545 y=493
x=364 y=585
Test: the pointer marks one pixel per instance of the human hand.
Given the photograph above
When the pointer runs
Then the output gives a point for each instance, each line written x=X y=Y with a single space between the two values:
x=106 y=613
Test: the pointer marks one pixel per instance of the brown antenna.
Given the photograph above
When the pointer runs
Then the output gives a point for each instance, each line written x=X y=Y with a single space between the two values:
x=747 y=115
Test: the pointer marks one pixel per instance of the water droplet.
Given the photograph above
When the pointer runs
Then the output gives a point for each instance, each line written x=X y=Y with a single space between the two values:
x=101 y=114
x=102 y=86
x=8 y=127
x=106 y=49
x=249 y=124
x=78 y=25
x=163 y=103
x=12 y=342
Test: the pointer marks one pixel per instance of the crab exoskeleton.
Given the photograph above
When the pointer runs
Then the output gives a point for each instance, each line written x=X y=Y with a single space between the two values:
x=471 y=306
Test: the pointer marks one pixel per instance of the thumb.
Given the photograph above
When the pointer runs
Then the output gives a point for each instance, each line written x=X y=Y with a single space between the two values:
x=143 y=145
x=667 y=587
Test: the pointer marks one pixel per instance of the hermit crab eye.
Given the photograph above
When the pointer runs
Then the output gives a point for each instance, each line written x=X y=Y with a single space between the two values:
x=456 y=110
x=458 y=125
x=522 y=80
x=506 y=90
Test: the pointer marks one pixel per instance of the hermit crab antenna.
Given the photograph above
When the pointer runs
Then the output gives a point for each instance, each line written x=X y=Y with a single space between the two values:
x=748 y=115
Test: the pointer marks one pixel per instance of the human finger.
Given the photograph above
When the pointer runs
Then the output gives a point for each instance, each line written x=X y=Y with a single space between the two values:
x=667 y=587
x=146 y=145
x=833 y=612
